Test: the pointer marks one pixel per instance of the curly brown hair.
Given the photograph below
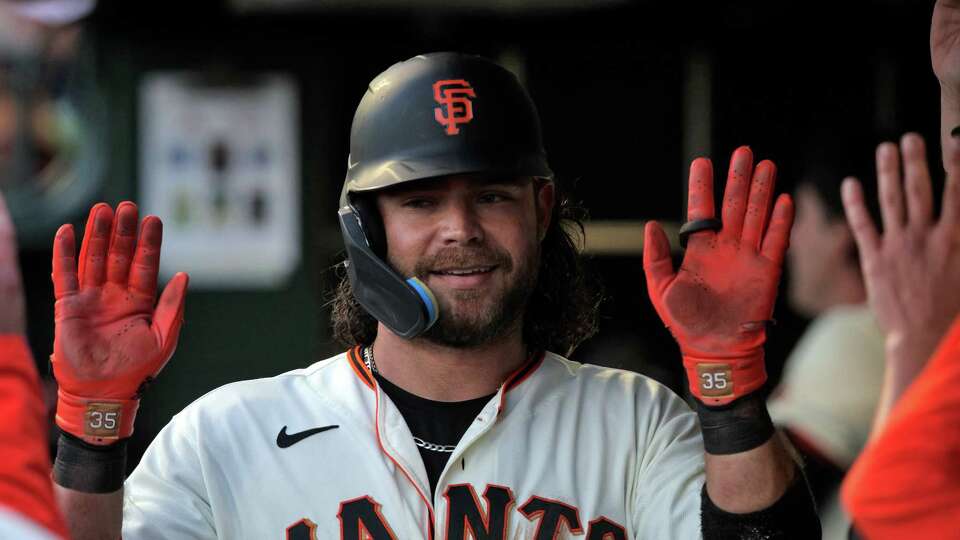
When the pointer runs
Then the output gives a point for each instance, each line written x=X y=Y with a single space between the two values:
x=562 y=311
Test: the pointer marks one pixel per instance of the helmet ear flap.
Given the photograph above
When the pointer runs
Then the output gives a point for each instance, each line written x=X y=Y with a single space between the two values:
x=371 y=222
x=405 y=306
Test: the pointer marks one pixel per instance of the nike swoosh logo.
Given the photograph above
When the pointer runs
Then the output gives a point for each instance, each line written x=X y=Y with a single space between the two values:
x=285 y=440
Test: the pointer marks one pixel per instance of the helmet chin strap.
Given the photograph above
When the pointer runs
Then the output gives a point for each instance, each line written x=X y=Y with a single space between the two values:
x=405 y=305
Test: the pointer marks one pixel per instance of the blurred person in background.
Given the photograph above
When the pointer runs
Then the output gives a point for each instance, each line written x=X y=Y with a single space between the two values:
x=906 y=484
x=825 y=416
x=49 y=165
x=27 y=507
x=39 y=125
x=34 y=35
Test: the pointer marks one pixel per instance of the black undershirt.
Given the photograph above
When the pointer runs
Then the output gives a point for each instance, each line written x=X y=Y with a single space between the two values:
x=441 y=423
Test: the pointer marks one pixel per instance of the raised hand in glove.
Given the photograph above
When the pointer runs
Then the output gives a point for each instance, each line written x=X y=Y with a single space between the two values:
x=719 y=301
x=110 y=339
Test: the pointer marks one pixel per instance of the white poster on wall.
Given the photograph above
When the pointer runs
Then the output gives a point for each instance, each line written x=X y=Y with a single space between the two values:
x=220 y=165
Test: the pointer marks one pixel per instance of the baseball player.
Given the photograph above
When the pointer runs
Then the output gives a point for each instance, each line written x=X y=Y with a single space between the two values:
x=451 y=415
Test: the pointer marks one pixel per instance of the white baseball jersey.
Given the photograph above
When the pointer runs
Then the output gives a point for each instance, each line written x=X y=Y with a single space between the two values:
x=563 y=450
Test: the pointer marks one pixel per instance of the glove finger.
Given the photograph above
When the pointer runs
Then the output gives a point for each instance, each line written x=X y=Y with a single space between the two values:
x=64 y=274
x=778 y=234
x=146 y=261
x=758 y=205
x=87 y=231
x=736 y=191
x=168 y=316
x=864 y=230
x=700 y=190
x=93 y=250
x=123 y=239
x=700 y=205
x=657 y=264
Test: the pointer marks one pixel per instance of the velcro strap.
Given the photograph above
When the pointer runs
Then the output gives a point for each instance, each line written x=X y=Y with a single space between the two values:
x=719 y=381
x=95 y=420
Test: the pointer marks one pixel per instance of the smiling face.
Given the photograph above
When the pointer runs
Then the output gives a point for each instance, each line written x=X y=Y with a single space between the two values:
x=476 y=243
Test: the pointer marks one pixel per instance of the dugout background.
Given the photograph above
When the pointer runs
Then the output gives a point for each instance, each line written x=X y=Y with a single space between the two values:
x=628 y=92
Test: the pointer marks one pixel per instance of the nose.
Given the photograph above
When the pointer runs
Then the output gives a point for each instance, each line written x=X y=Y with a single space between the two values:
x=460 y=224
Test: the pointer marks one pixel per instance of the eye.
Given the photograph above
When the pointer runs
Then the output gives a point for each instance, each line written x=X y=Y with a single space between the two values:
x=418 y=203
x=494 y=197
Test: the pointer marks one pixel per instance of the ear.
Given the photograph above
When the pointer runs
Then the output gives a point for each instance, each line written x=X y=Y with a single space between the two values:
x=545 y=193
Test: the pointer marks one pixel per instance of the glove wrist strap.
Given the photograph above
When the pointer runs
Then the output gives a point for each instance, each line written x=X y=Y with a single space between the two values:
x=740 y=426
x=718 y=381
x=97 y=421
x=89 y=468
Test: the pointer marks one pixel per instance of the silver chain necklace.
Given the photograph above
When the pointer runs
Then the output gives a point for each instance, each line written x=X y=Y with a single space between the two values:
x=433 y=447
x=368 y=359
x=426 y=445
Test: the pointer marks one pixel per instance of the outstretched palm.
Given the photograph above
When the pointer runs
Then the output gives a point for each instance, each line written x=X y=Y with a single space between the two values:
x=721 y=306
x=910 y=270
x=109 y=338
x=717 y=304
x=727 y=283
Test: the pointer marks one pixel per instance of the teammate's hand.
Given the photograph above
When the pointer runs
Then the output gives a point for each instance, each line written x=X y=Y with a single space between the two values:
x=945 y=45
x=12 y=314
x=911 y=270
x=718 y=303
x=110 y=340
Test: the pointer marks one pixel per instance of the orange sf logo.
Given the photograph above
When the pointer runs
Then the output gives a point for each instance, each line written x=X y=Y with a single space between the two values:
x=456 y=107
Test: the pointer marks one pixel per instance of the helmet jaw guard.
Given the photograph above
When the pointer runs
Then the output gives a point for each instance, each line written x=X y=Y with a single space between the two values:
x=406 y=306
x=431 y=116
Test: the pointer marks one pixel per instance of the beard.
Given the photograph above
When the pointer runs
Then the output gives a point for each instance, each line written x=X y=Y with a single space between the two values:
x=472 y=318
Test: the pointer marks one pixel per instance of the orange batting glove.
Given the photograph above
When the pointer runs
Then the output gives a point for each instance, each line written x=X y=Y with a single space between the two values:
x=110 y=340
x=718 y=303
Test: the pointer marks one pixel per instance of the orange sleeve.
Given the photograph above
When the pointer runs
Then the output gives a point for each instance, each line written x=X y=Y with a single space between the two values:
x=25 y=484
x=906 y=484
